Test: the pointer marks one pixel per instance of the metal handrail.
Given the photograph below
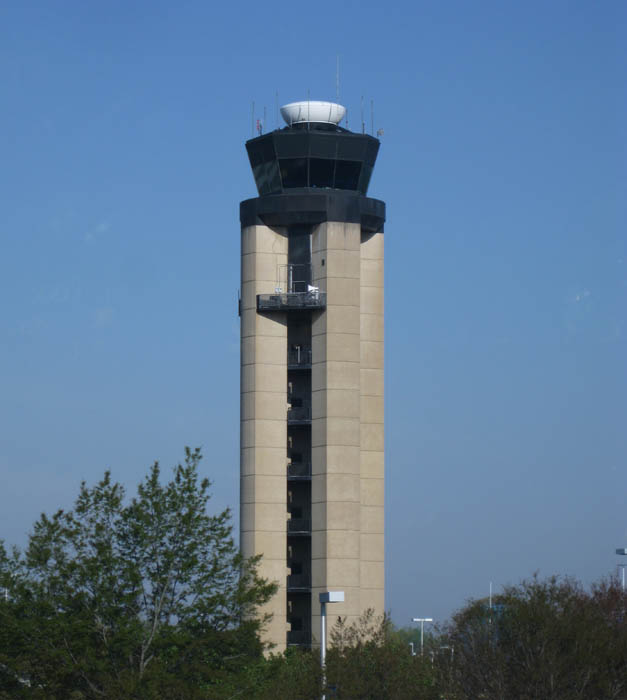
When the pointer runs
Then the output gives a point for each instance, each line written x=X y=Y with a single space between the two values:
x=299 y=470
x=299 y=637
x=299 y=357
x=298 y=581
x=298 y=525
x=299 y=414
x=291 y=301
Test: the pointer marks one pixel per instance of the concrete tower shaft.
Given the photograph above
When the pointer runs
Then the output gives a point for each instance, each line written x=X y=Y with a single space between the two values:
x=312 y=463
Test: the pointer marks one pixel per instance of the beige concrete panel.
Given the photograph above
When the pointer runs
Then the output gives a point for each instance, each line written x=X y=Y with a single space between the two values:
x=373 y=598
x=263 y=239
x=318 y=544
x=337 y=319
x=248 y=296
x=270 y=377
x=371 y=382
x=372 y=437
x=372 y=246
x=371 y=327
x=263 y=405
x=343 y=263
x=343 y=236
x=343 y=573
x=270 y=544
x=253 y=323
x=342 y=292
x=342 y=347
x=262 y=488
x=247 y=351
x=271 y=350
x=275 y=570
x=342 y=431
x=335 y=375
x=319 y=238
x=371 y=273
x=335 y=402
x=372 y=519
x=341 y=319
x=335 y=431
x=262 y=266
x=265 y=516
x=318 y=439
x=342 y=515
x=275 y=629
x=372 y=465
x=319 y=268
x=318 y=577
x=371 y=300
x=319 y=348
x=371 y=409
x=371 y=548
x=371 y=354
x=335 y=459
x=373 y=574
x=371 y=492
x=318 y=517
x=342 y=487
x=263 y=433
x=342 y=544
x=264 y=460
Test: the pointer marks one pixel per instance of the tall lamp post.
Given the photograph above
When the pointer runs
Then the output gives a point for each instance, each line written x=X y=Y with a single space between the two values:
x=422 y=621
x=326 y=597
x=623 y=551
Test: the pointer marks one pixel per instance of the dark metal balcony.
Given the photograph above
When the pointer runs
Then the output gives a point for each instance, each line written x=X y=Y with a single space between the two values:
x=299 y=638
x=292 y=301
x=299 y=415
x=299 y=526
x=299 y=471
x=299 y=358
x=298 y=582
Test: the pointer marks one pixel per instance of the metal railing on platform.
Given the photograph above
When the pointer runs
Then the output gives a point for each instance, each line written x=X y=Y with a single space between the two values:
x=299 y=637
x=299 y=414
x=299 y=357
x=299 y=526
x=292 y=301
x=299 y=582
x=299 y=470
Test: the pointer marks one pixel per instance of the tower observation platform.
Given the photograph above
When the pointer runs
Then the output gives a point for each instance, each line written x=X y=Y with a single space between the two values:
x=311 y=311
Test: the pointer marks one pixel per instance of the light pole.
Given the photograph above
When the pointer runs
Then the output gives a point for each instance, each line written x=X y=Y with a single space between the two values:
x=326 y=597
x=623 y=551
x=422 y=621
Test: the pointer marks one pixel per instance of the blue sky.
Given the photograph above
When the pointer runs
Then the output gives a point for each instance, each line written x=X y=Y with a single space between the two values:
x=503 y=168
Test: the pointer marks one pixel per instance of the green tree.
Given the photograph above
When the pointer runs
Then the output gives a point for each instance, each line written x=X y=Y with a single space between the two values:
x=140 y=599
x=546 y=639
x=369 y=660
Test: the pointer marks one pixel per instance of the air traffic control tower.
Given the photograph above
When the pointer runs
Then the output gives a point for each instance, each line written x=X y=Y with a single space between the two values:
x=311 y=313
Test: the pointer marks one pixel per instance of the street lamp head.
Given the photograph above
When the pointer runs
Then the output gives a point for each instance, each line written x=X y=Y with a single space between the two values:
x=422 y=619
x=621 y=550
x=332 y=597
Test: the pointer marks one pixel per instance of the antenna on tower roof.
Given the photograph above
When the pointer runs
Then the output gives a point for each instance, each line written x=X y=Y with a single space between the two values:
x=371 y=117
x=337 y=79
x=363 y=123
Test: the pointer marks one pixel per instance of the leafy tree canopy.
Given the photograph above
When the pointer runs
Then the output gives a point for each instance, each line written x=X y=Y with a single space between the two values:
x=140 y=598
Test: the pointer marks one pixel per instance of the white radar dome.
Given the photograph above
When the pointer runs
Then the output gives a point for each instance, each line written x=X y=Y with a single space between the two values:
x=313 y=111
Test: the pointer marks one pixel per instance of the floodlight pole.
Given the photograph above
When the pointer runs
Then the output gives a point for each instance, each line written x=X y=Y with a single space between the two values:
x=326 y=597
x=422 y=621
x=623 y=551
